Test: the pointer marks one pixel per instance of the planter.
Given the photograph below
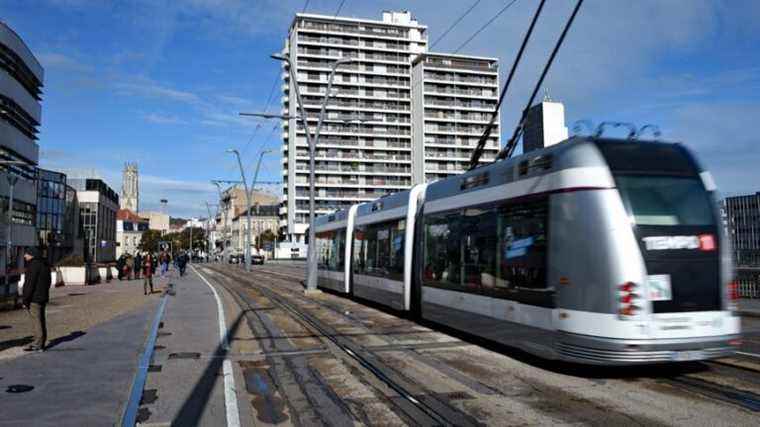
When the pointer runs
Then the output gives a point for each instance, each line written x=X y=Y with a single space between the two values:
x=79 y=275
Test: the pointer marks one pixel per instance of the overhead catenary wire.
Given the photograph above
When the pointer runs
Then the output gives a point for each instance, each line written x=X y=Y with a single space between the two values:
x=507 y=151
x=478 y=151
x=454 y=24
x=340 y=6
x=484 y=26
x=266 y=110
x=413 y=87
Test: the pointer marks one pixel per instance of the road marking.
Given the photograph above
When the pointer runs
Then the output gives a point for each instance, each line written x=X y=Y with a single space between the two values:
x=230 y=398
x=130 y=412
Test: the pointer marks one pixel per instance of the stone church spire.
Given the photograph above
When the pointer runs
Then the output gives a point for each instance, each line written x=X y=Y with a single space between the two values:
x=130 y=190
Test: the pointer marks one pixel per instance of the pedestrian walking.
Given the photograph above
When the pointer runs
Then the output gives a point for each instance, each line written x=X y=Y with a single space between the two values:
x=138 y=265
x=147 y=271
x=36 y=295
x=181 y=264
x=130 y=266
x=120 y=265
x=163 y=260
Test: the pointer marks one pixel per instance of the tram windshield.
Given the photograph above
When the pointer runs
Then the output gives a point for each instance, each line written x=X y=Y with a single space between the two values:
x=665 y=200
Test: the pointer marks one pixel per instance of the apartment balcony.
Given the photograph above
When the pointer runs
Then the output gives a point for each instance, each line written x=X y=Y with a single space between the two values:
x=324 y=143
x=352 y=68
x=457 y=130
x=355 y=170
x=470 y=67
x=460 y=80
x=459 y=105
x=337 y=103
x=363 y=157
x=361 y=131
x=336 y=54
x=461 y=92
x=477 y=118
x=380 y=32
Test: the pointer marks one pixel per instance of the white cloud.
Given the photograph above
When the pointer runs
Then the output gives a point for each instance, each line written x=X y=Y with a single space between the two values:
x=60 y=61
x=151 y=89
x=163 y=119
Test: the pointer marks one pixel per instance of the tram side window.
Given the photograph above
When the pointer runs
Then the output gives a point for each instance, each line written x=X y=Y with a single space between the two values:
x=492 y=249
x=331 y=246
x=379 y=249
x=522 y=245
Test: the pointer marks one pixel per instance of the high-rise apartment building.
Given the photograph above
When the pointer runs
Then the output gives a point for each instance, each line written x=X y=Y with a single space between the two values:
x=365 y=145
x=397 y=115
x=453 y=97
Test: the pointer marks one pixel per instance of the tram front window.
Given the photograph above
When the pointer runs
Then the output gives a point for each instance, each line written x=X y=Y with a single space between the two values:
x=664 y=200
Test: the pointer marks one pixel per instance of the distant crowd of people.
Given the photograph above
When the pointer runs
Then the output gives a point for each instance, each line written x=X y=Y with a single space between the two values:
x=144 y=264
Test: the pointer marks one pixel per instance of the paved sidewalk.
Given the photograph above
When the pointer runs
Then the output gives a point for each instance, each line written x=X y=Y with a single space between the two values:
x=71 y=310
x=186 y=385
x=80 y=382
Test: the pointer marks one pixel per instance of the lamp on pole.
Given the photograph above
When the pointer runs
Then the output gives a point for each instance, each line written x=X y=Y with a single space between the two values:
x=208 y=230
x=12 y=180
x=311 y=271
x=248 y=210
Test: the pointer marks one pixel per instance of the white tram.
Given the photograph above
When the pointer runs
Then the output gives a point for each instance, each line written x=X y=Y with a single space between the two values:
x=598 y=251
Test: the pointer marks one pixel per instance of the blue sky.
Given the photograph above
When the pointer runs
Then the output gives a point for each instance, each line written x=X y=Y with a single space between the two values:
x=161 y=82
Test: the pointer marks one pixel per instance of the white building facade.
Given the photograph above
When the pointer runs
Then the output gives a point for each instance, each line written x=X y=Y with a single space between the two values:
x=365 y=145
x=453 y=99
x=396 y=116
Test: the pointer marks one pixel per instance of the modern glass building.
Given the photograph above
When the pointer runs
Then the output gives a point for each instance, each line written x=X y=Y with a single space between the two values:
x=98 y=204
x=57 y=224
x=21 y=78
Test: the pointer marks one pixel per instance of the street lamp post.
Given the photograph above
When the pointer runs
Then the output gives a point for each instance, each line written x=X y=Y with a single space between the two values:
x=311 y=271
x=248 y=211
x=208 y=230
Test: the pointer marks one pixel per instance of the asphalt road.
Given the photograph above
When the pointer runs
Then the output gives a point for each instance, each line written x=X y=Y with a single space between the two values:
x=333 y=361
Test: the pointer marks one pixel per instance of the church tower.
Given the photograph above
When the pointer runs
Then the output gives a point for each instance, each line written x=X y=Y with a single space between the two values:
x=130 y=192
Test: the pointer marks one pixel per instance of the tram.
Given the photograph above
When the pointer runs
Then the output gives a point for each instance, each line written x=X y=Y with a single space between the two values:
x=594 y=250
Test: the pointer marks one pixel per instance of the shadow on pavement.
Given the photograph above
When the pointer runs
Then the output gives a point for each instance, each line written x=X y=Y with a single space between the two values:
x=66 y=338
x=193 y=407
x=18 y=342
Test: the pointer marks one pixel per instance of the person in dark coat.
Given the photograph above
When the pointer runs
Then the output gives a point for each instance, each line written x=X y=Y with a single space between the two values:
x=120 y=264
x=138 y=265
x=36 y=295
x=181 y=264
x=148 y=267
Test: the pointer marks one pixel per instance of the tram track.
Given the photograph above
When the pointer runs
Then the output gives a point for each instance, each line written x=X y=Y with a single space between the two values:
x=420 y=406
x=746 y=399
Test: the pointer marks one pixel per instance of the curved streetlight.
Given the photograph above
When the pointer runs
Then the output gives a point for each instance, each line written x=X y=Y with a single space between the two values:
x=311 y=271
